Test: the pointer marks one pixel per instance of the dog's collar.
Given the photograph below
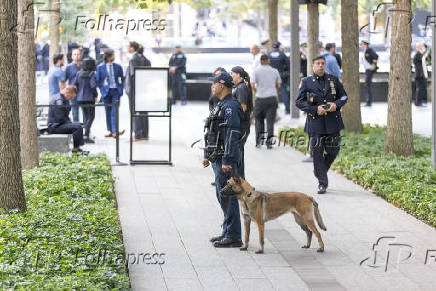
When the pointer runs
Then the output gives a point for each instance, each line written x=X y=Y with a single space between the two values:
x=251 y=192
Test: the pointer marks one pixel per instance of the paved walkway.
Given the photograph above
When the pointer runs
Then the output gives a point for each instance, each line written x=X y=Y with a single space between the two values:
x=172 y=210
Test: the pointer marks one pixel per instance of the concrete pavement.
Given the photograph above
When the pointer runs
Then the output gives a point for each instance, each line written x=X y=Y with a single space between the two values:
x=169 y=212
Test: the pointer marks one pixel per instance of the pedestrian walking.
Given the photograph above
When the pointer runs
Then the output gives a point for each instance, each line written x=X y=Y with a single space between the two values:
x=322 y=96
x=265 y=82
x=421 y=74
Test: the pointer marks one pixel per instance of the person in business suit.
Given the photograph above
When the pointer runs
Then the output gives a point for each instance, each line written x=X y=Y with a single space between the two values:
x=140 y=123
x=110 y=80
x=369 y=61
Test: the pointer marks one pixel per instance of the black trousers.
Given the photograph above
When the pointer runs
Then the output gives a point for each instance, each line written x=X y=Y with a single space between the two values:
x=265 y=108
x=88 y=115
x=368 y=81
x=421 y=90
x=140 y=126
x=325 y=148
x=245 y=133
x=73 y=128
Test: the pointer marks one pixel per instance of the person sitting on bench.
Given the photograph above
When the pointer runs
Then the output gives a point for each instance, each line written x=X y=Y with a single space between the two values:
x=59 y=121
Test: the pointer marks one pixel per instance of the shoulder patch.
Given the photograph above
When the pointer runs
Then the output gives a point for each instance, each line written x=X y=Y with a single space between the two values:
x=59 y=102
x=228 y=112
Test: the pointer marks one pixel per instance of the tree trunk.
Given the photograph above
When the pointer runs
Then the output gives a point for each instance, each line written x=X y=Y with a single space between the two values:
x=27 y=92
x=272 y=16
x=312 y=34
x=350 y=65
x=399 y=136
x=54 y=29
x=11 y=184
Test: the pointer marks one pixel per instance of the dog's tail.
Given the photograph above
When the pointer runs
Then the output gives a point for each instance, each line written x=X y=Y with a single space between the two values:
x=318 y=215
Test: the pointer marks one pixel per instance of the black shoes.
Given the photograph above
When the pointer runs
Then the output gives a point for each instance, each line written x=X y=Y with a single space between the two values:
x=88 y=140
x=216 y=238
x=368 y=105
x=213 y=184
x=80 y=152
x=322 y=189
x=228 y=243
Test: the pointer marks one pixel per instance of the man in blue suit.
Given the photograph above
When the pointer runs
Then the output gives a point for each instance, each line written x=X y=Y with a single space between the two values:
x=110 y=80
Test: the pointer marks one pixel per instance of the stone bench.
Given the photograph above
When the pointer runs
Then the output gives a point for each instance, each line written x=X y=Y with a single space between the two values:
x=54 y=143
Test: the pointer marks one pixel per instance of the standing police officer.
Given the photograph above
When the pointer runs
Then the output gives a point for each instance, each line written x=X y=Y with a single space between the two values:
x=322 y=96
x=278 y=60
x=222 y=149
x=243 y=93
x=178 y=75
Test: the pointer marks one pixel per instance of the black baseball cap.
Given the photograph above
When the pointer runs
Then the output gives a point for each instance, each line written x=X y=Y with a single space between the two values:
x=276 y=44
x=223 y=78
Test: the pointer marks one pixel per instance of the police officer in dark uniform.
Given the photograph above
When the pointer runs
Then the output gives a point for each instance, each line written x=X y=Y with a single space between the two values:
x=278 y=60
x=178 y=75
x=371 y=67
x=242 y=92
x=322 y=96
x=222 y=150
x=303 y=60
x=59 y=121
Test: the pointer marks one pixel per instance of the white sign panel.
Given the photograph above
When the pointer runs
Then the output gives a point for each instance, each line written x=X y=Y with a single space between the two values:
x=151 y=89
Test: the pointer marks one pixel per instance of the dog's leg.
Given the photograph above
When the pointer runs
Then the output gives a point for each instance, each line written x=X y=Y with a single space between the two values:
x=247 y=222
x=261 y=228
x=299 y=220
x=308 y=218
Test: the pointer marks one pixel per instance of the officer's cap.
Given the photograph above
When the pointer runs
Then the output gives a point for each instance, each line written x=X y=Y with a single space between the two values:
x=178 y=46
x=264 y=42
x=276 y=44
x=223 y=78
x=364 y=41
x=104 y=46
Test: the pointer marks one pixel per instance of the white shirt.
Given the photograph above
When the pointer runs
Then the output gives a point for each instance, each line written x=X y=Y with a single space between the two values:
x=365 y=63
x=109 y=67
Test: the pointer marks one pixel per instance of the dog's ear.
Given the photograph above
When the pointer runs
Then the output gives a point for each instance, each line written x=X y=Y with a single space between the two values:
x=236 y=178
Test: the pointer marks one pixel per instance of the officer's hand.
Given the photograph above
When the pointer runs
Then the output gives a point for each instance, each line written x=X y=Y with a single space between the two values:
x=373 y=66
x=321 y=111
x=172 y=69
x=205 y=163
x=332 y=106
x=226 y=168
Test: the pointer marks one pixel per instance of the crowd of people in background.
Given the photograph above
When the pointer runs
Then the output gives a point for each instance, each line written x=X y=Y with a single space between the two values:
x=86 y=81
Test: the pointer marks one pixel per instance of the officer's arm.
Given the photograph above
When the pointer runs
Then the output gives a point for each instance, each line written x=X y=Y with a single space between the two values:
x=342 y=95
x=62 y=77
x=302 y=102
x=232 y=120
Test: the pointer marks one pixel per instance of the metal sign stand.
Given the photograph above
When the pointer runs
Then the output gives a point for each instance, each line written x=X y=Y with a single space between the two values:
x=161 y=114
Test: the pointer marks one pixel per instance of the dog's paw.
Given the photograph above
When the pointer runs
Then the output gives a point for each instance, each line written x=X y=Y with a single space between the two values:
x=320 y=250
x=243 y=249
x=259 y=252
x=305 y=247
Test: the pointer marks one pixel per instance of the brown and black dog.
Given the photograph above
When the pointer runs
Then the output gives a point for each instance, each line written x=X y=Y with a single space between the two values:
x=262 y=207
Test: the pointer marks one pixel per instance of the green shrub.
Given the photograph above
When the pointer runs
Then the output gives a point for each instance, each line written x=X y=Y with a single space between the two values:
x=71 y=218
x=406 y=182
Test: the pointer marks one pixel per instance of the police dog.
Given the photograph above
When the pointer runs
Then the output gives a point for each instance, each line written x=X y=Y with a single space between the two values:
x=262 y=207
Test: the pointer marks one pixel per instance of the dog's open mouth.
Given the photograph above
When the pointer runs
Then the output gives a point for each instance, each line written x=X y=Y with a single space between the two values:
x=227 y=190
